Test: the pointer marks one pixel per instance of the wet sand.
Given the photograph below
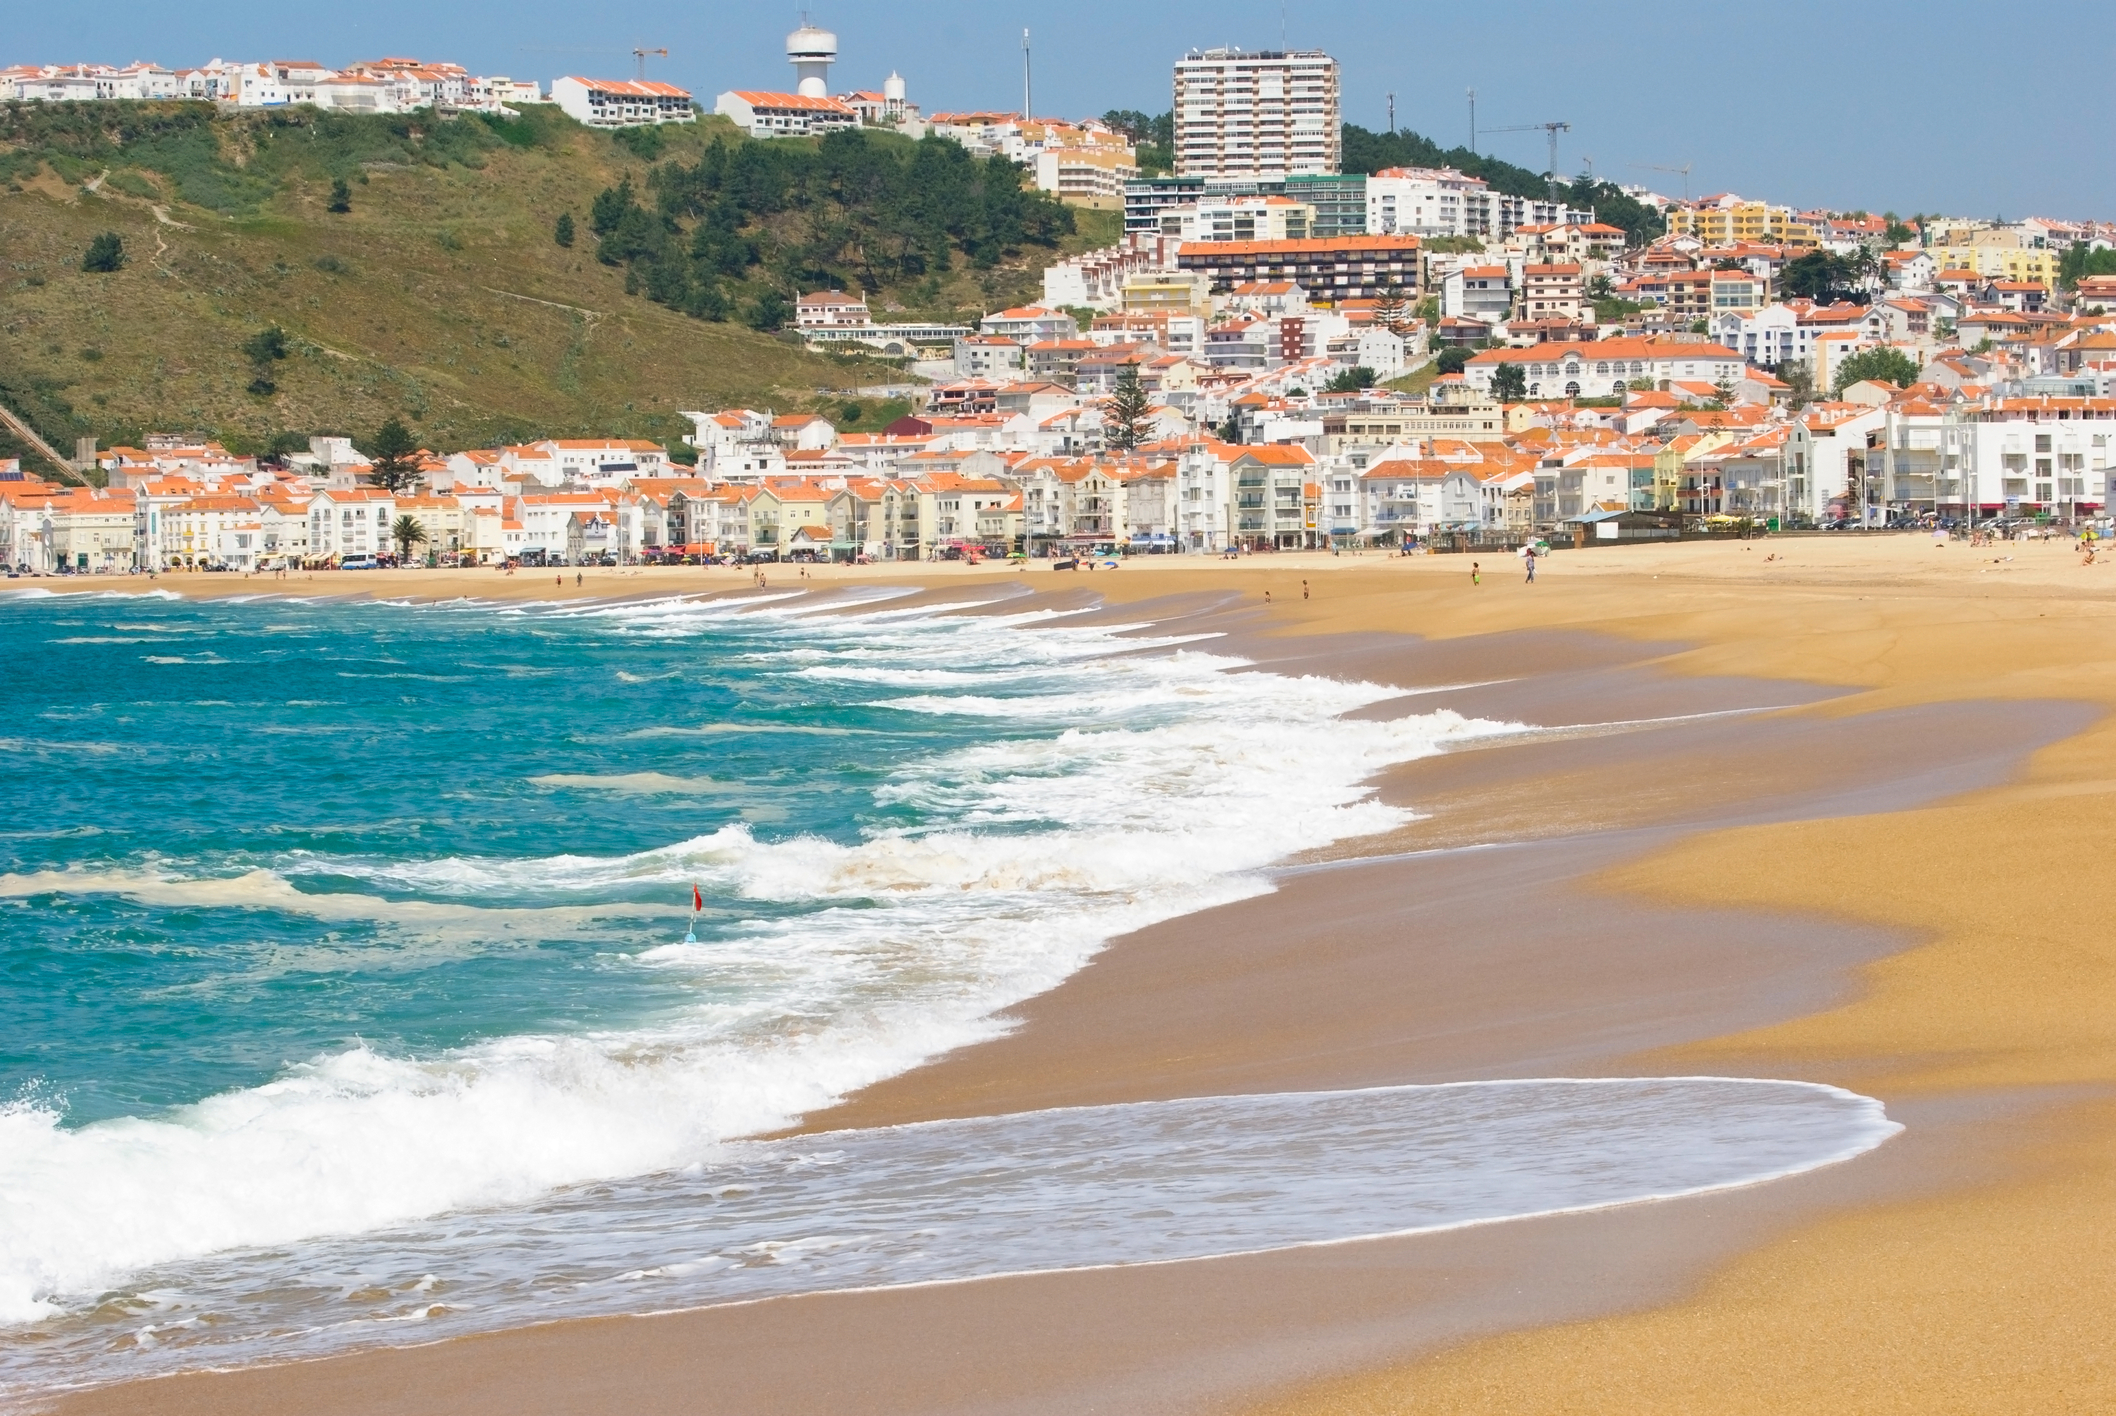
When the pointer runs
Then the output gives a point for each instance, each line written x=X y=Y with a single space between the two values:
x=1888 y=881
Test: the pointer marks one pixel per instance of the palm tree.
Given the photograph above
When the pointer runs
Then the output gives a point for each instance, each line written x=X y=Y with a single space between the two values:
x=407 y=532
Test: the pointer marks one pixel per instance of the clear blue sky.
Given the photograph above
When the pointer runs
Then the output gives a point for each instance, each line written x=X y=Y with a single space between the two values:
x=1943 y=106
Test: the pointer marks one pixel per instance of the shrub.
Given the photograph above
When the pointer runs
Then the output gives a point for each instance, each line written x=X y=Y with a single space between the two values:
x=105 y=254
x=266 y=345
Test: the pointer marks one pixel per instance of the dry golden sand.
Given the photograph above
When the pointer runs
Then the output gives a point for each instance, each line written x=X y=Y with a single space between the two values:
x=1995 y=1298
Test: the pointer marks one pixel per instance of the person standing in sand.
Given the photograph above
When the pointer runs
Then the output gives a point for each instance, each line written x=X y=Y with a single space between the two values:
x=1528 y=558
x=1475 y=576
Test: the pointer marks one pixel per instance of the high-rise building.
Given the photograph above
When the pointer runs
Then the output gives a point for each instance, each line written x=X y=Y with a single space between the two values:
x=1270 y=113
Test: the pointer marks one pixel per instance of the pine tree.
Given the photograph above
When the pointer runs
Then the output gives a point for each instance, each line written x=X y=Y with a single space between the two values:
x=393 y=456
x=341 y=197
x=563 y=232
x=1127 y=414
x=106 y=254
x=1509 y=383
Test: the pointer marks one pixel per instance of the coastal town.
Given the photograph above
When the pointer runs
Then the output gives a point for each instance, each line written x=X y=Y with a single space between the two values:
x=1277 y=355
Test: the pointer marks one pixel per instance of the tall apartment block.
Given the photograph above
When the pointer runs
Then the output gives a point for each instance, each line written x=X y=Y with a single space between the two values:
x=1266 y=114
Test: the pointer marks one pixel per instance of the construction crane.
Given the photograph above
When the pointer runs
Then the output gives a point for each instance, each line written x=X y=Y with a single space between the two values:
x=641 y=56
x=1553 y=129
x=1684 y=170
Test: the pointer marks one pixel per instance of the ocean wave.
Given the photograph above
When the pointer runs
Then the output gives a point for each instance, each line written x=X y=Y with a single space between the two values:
x=1086 y=1187
x=1030 y=849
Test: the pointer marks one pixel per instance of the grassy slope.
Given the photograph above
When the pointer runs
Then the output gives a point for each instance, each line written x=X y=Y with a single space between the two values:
x=450 y=305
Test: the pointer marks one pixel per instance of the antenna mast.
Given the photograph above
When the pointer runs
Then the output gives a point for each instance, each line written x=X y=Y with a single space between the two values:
x=1028 y=110
x=1472 y=122
x=1392 y=113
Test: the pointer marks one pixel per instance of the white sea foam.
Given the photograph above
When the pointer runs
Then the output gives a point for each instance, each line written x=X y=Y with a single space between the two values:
x=1120 y=788
x=944 y=1201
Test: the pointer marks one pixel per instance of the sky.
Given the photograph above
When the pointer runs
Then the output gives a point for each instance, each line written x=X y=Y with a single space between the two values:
x=1944 y=107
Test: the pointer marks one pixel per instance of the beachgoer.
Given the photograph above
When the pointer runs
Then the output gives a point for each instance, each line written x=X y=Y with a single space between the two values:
x=1304 y=589
x=576 y=577
x=1531 y=558
x=1475 y=576
x=560 y=581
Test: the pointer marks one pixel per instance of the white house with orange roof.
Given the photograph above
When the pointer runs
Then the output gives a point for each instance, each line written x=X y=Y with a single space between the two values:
x=804 y=432
x=1601 y=368
x=346 y=523
x=92 y=529
x=283 y=518
x=831 y=309
x=580 y=524
x=1248 y=496
x=622 y=103
x=1030 y=324
x=980 y=355
x=599 y=461
x=1824 y=441
x=881 y=453
x=764 y=114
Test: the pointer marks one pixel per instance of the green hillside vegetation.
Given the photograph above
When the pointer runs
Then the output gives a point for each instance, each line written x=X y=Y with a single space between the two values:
x=730 y=231
x=441 y=295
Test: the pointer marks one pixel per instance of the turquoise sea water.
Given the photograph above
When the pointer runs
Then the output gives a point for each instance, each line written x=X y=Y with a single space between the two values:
x=344 y=979
x=334 y=745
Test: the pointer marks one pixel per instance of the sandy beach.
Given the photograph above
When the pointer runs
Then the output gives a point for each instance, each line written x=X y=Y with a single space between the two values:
x=1829 y=808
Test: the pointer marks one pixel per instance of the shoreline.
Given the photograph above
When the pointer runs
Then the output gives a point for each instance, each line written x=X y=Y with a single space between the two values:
x=1077 y=1040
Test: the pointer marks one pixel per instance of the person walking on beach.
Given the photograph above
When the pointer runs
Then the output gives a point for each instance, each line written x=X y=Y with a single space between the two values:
x=1528 y=555
x=1475 y=576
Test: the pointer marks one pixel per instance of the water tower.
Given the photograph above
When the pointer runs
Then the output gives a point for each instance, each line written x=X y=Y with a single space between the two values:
x=812 y=51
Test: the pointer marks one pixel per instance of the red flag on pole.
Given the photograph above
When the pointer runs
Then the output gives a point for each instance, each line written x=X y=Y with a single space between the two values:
x=697 y=900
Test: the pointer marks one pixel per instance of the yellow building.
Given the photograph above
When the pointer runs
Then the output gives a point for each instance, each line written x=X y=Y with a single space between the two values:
x=1167 y=292
x=2014 y=263
x=1735 y=221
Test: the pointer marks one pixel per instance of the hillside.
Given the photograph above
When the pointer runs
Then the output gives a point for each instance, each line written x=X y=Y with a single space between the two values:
x=441 y=296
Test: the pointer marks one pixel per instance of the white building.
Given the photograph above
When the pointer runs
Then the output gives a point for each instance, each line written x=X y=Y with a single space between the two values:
x=1603 y=368
x=1262 y=114
x=622 y=103
x=831 y=309
x=2010 y=456
x=1439 y=201
x=1030 y=323
x=345 y=523
x=763 y=114
x=1095 y=279
x=1239 y=218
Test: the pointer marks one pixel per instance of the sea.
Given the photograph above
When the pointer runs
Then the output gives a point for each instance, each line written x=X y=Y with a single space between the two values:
x=375 y=972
